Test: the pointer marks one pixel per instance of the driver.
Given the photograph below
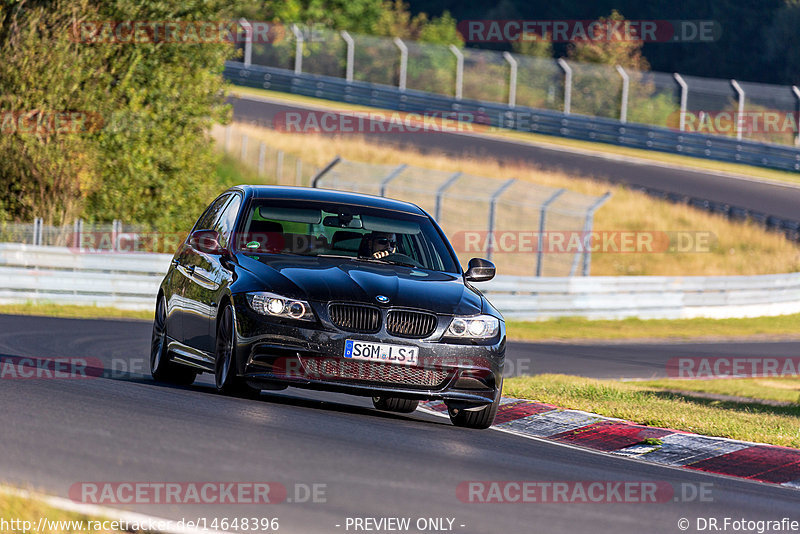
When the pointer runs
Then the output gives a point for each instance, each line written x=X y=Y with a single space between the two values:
x=379 y=245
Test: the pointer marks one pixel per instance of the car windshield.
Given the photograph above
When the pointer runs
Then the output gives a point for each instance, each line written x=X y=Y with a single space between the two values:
x=356 y=232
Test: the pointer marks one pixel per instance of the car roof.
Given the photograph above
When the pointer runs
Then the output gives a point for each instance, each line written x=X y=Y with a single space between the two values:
x=327 y=195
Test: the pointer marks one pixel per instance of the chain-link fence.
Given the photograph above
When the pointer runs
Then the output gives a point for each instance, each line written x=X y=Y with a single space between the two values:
x=760 y=112
x=524 y=228
x=271 y=166
x=80 y=236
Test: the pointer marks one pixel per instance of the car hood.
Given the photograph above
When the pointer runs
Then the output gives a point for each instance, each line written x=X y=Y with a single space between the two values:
x=343 y=280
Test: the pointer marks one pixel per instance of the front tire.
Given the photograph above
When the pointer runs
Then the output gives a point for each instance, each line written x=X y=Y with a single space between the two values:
x=161 y=368
x=225 y=378
x=394 y=404
x=479 y=420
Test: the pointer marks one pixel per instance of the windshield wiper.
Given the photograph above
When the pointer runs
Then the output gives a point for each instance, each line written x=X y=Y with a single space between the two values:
x=389 y=262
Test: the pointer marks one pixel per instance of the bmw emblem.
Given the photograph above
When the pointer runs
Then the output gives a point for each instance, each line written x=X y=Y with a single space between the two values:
x=383 y=299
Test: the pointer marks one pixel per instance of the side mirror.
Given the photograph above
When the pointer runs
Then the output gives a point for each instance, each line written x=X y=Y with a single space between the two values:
x=206 y=241
x=479 y=270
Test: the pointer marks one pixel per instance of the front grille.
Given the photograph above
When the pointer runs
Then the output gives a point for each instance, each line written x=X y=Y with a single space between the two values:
x=354 y=318
x=373 y=372
x=405 y=323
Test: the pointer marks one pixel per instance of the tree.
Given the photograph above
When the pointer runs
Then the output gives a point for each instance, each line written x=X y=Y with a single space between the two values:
x=151 y=161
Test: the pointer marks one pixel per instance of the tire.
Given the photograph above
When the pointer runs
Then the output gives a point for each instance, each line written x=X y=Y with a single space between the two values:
x=161 y=368
x=225 y=377
x=395 y=404
x=479 y=420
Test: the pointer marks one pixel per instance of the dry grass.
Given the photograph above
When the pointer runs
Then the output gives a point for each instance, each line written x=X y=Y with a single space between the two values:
x=739 y=248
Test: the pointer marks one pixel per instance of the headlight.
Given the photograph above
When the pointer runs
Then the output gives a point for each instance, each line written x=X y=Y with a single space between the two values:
x=477 y=327
x=278 y=306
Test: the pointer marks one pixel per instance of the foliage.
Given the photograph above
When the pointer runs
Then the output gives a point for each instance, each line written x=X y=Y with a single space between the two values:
x=146 y=158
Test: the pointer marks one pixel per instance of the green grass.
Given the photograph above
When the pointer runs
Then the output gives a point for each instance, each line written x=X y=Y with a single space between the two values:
x=231 y=171
x=577 y=328
x=29 y=508
x=637 y=402
x=600 y=148
x=781 y=389
x=71 y=311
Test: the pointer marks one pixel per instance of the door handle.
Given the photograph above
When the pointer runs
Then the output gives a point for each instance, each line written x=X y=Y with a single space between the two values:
x=190 y=269
x=176 y=262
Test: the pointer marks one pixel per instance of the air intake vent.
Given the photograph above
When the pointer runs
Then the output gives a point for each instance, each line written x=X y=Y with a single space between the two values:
x=354 y=318
x=405 y=323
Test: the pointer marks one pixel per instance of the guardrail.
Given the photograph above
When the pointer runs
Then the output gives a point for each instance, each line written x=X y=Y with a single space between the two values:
x=130 y=281
x=546 y=122
x=61 y=275
x=586 y=128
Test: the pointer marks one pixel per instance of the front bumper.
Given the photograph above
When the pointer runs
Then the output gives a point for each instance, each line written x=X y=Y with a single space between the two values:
x=311 y=355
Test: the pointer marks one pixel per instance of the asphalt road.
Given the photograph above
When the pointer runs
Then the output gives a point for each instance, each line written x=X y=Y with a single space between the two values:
x=772 y=199
x=120 y=427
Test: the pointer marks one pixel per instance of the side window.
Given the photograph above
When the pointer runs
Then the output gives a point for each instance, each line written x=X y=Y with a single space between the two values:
x=224 y=225
x=206 y=221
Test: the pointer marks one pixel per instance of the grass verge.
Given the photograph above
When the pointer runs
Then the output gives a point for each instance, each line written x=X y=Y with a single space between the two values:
x=71 y=311
x=603 y=149
x=734 y=248
x=578 y=328
x=16 y=509
x=780 y=389
x=563 y=329
x=634 y=401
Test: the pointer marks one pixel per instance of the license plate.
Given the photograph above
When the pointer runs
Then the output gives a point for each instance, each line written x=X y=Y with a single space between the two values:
x=381 y=352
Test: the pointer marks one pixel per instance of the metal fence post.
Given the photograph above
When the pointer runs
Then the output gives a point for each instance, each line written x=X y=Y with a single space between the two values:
x=316 y=178
x=684 y=97
x=38 y=230
x=459 y=70
x=440 y=193
x=248 y=41
x=391 y=176
x=512 y=79
x=243 y=155
x=567 y=84
x=542 y=221
x=401 y=83
x=351 y=54
x=262 y=156
x=587 y=229
x=298 y=49
x=298 y=171
x=492 y=212
x=115 y=231
x=77 y=231
x=279 y=167
x=228 y=129
x=626 y=80
x=796 y=92
x=740 y=114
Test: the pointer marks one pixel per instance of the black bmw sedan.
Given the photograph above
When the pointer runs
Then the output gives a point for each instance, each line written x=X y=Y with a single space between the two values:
x=282 y=286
